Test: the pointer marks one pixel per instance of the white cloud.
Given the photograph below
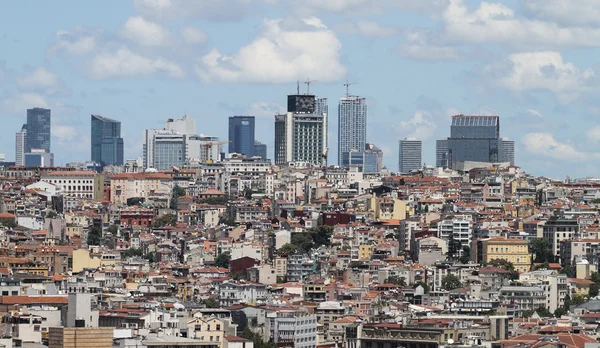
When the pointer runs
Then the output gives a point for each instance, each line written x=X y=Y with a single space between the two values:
x=541 y=71
x=20 y=102
x=77 y=41
x=204 y=9
x=586 y=12
x=39 y=79
x=593 y=134
x=534 y=113
x=421 y=126
x=361 y=7
x=495 y=22
x=125 y=63
x=63 y=132
x=144 y=32
x=367 y=28
x=422 y=46
x=287 y=50
x=193 y=35
x=546 y=145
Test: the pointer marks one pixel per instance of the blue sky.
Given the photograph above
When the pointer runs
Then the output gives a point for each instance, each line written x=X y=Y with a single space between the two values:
x=533 y=63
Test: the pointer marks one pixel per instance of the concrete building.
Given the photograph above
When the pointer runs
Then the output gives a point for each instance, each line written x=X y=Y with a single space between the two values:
x=555 y=286
x=138 y=185
x=557 y=229
x=21 y=146
x=79 y=184
x=459 y=228
x=409 y=155
x=441 y=153
x=523 y=297
x=80 y=337
x=301 y=133
x=352 y=126
x=512 y=250
x=508 y=151
x=291 y=328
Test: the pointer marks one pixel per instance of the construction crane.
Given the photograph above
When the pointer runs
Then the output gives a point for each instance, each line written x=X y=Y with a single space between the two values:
x=348 y=84
x=208 y=146
x=307 y=83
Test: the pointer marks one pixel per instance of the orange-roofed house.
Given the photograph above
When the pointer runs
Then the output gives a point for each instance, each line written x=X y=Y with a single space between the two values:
x=580 y=286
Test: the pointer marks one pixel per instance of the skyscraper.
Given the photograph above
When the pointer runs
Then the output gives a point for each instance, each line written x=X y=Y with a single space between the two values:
x=301 y=133
x=21 y=146
x=508 y=151
x=183 y=126
x=38 y=129
x=441 y=153
x=410 y=153
x=106 y=141
x=241 y=135
x=352 y=125
x=475 y=139
x=260 y=150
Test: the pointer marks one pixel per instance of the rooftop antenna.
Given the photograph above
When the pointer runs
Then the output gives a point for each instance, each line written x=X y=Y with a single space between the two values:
x=297 y=87
x=347 y=84
x=307 y=83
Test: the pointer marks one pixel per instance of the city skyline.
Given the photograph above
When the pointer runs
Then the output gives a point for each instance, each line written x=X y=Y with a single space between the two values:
x=78 y=64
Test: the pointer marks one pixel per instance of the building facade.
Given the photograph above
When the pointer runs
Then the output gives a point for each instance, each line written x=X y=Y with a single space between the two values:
x=441 y=153
x=79 y=184
x=508 y=151
x=301 y=133
x=352 y=125
x=106 y=141
x=39 y=128
x=39 y=158
x=241 y=135
x=410 y=155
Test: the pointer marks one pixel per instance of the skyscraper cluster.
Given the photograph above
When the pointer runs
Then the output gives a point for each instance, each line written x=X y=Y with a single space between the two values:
x=32 y=142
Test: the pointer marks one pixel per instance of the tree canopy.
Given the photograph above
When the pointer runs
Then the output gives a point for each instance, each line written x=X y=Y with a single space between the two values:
x=223 y=260
x=542 y=250
x=94 y=236
x=451 y=282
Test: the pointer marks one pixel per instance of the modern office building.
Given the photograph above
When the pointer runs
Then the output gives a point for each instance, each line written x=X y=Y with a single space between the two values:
x=474 y=139
x=38 y=158
x=441 y=153
x=39 y=128
x=378 y=155
x=241 y=135
x=508 y=151
x=106 y=142
x=301 y=133
x=184 y=125
x=169 y=150
x=260 y=150
x=352 y=125
x=21 y=146
x=410 y=155
x=367 y=161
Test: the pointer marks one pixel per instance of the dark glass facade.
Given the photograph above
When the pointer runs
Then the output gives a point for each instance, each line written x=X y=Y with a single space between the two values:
x=260 y=150
x=241 y=135
x=106 y=141
x=38 y=129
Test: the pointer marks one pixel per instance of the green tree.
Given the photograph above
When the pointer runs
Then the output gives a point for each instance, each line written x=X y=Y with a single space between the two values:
x=322 y=235
x=223 y=260
x=526 y=313
x=133 y=252
x=594 y=289
x=211 y=302
x=51 y=214
x=451 y=282
x=247 y=193
x=94 y=236
x=466 y=255
x=560 y=311
x=165 y=220
x=151 y=257
x=507 y=266
x=400 y=281
x=542 y=250
x=287 y=249
x=543 y=312
x=454 y=248
x=303 y=242
x=256 y=339
x=568 y=270
x=225 y=221
x=578 y=299
x=113 y=229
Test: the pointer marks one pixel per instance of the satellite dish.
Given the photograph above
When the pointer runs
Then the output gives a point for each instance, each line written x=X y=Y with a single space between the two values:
x=450 y=341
